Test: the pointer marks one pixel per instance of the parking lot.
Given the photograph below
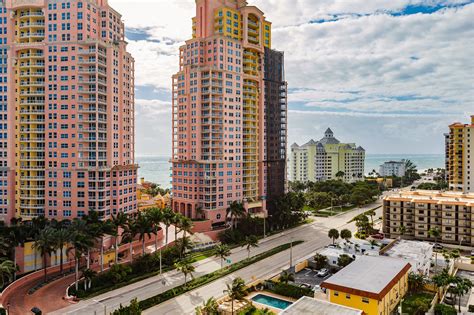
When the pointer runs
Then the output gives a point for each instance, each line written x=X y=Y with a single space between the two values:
x=309 y=278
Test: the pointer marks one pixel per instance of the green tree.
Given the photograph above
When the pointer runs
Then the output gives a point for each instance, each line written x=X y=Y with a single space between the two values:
x=7 y=270
x=129 y=233
x=134 y=307
x=402 y=230
x=346 y=234
x=249 y=242
x=186 y=226
x=61 y=239
x=44 y=243
x=184 y=244
x=461 y=287
x=186 y=267
x=286 y=276
x=320 y=260
x=144 y=229
x=435 y=233
x=88 y=275
x=119 y=222
x=340 y=175
x=344 y=260
x=222 y=251
x=236 y=291
x=333 y=234
x=235 y=211
x=416 y=282
x=209 y=307
x=440 y=280
x=81 y=243
x=168 y=219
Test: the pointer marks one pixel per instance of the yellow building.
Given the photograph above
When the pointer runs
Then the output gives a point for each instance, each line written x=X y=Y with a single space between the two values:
x=459 y=158
x=373 y=285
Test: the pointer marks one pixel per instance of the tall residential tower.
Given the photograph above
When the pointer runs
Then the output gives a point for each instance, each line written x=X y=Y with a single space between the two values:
x=220 y=112
x=66 y=110
x=460 y=156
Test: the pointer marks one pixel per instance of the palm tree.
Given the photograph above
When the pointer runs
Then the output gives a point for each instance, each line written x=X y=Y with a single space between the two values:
x=333 y=234
x=81 y=243
x=44 y=243
x=441 y=280
x=168 y=219
x=234 y=211
x=129 y=233
x=36 y=225
x=7 y=270
x=88 y=275
x=250 y=241
x=209 y=307
x=186 y=267
x=93 y=229
x=186 y=225
x=320 y=260
x=402 y=230
x=435 y=233
x=61 y=238
x=346 y=235
x=236 y=291
x=371 y=214
x=286 y=277
x=222 y=252
x=416 y=282
x=106 y=228
x=144 y=229
x=461 y=287
x=340 y=175
x=16 y=236
x=155 y=216
x=119 y=222
x=184 y=244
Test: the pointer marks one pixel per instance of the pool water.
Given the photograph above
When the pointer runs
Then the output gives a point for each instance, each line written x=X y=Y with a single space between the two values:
x=271 y=301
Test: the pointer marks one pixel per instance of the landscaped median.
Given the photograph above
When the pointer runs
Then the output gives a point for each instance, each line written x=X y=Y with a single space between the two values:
x=203 y=280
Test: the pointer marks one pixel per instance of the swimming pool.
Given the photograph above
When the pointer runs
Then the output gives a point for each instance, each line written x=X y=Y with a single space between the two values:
x=271 y=301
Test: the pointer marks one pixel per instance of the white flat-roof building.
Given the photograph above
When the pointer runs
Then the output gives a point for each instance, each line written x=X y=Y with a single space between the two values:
x=418 y=254
x=307 y=305
x=393 y=168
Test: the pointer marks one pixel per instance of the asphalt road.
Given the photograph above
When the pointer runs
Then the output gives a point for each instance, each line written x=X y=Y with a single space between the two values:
x=314 y=235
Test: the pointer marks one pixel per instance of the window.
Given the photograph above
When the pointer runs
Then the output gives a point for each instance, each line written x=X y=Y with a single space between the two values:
x=348 y=296
x=365 y=300
x=336 y=293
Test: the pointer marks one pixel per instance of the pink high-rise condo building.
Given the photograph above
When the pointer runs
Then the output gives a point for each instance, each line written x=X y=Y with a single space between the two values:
x=219 y=114
x=66 y=110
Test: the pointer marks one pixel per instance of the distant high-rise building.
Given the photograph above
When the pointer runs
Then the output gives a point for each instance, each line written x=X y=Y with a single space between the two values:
x=460 y=156
x=327 y=159
x=219 y=112
x=66 y=110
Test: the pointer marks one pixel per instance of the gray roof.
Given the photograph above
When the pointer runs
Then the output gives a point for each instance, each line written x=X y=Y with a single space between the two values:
x=310 y=142
x=307 y=305
x=369 y=274
x=329 y=138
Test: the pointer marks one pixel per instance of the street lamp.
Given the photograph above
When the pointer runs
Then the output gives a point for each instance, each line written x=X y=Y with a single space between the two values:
x=8 y=308
x=291 y=252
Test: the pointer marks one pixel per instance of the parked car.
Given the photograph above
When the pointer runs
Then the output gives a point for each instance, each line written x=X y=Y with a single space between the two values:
x=439 y=246
x=448 y=299
x=378 y=236
x=323 y=272
x=472 y=252
x=305 y=285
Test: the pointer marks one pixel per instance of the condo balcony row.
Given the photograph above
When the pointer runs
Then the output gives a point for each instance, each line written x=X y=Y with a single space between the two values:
x=32 y=35
x=32 y=24
x=92 y=71
x=92 y=61
x=82 y=90
x=38 y=83
x=37 y=64
x=92 y=109
x=30 y=14
x=92 y=51
x=31 y=55
x=32 y=74
x=92 y=80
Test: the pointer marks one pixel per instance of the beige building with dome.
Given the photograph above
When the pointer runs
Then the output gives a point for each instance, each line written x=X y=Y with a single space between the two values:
x=324 y=159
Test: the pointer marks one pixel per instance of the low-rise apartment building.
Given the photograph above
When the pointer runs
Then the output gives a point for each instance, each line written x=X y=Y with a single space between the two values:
x=374 y=285
x=419 y=211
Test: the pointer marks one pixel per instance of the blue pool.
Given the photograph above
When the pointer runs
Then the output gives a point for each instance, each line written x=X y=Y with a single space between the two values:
x=271 y=301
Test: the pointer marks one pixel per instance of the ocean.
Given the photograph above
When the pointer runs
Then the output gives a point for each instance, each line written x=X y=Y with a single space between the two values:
x=156 y=169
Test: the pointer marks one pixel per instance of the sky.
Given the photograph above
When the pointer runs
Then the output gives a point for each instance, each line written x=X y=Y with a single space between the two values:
x=390 y=75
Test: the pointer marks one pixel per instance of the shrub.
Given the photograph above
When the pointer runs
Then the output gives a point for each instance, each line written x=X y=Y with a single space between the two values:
x=3 y=311
x=443 y=309
x=290 y=290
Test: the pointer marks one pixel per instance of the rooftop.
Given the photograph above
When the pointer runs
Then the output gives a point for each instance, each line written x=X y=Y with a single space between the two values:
x=307 y=305
x=368 y=276
x=409 y=249
x=433 y=196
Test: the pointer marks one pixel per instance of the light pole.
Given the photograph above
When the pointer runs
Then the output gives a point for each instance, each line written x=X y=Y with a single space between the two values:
x=8 y=308
x=264 y=225
x=291 y=252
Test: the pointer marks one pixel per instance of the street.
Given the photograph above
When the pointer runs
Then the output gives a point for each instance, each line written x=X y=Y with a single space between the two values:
x=314 y=235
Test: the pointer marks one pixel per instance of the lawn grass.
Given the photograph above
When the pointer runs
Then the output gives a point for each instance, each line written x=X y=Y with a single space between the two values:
x=411 y=303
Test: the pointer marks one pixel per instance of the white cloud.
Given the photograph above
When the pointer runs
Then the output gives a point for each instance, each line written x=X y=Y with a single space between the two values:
x=390 y=83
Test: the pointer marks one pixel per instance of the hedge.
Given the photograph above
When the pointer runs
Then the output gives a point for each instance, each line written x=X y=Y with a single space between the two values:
x=203 y=280
x=290 y=290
